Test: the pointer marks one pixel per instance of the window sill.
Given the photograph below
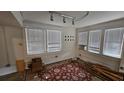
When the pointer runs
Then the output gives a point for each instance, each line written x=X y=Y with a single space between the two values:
x=101 y=55
x=40 y=54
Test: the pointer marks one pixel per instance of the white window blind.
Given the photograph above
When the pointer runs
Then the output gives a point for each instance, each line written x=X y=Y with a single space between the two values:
x=53 y=40
x=94 y=41
x=82 y=38
x=113 y=42
x=35 y=41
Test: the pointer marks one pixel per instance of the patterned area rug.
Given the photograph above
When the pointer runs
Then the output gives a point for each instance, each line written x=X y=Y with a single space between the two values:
x=61 y=71
x=66 y=71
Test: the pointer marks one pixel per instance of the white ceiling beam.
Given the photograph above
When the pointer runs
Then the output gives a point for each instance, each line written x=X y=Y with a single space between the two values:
x=18 y=16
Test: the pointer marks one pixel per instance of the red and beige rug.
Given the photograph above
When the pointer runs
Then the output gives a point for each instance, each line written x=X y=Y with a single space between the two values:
x=66 y=71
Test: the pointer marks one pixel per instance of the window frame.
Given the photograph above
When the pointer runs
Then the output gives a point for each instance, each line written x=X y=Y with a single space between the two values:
x=122 y=43
x=45 y=40
x=99 y=49
x=85 y=47
x=102 y=43
x=26 y=42
x=86 y=38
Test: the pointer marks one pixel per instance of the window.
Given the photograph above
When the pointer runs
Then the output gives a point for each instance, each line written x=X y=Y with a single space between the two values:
x=82 y=40
x=82 y=36
x=94 y=41
x=35 y=41
x=53 y=40
x=113 y=42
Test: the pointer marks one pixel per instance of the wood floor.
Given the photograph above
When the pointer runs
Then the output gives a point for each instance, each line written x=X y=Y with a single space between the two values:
x=56 y=72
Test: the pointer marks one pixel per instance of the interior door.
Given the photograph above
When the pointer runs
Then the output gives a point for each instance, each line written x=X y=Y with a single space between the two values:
x=3 y=50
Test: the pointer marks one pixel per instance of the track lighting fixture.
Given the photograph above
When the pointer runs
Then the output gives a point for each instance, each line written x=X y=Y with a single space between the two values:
x=64 y=21
x=72 y=21
x=64 y=16
x=51 y=17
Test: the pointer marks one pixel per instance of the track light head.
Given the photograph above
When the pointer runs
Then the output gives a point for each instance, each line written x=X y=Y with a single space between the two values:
x=51 y=17
x=72 y=21
x=64 y=21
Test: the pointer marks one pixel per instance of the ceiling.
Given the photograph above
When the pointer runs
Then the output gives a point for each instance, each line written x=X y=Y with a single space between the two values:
x=7 y=18
x=94 y=17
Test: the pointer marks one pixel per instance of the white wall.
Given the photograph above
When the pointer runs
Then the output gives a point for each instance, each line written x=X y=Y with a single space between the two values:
x=11 y=33
x=110 y=62
x=3 y=52
x=18 y=48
